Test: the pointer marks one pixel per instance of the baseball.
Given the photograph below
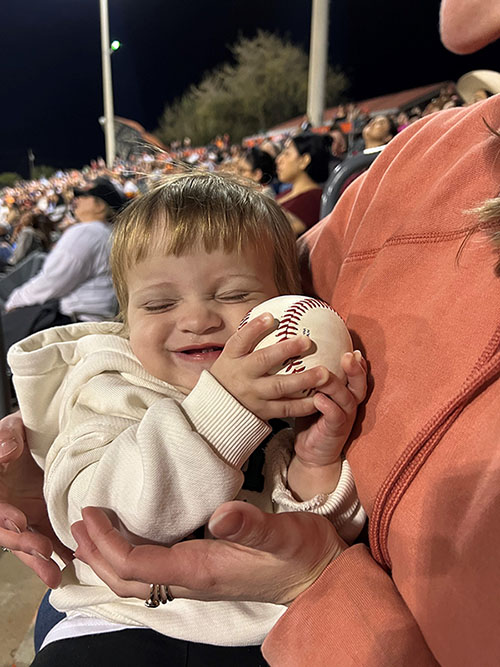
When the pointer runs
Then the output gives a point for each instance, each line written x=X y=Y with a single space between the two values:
x=303 y=315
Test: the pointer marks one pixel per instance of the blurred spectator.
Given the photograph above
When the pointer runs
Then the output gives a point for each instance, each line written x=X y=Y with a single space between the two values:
x=34 y=232
x=4 y=209
x=378 y=132
x=432 y=107
x=402 y=120
x=341 y=115
x=5 y=247
x=74 y=283
x=260 y=167
x=304 y=163
x=130 y=188
x=13 y=212
x=57 y=209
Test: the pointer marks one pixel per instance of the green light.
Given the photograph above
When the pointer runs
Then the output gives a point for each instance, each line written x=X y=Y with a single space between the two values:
x=115 y=45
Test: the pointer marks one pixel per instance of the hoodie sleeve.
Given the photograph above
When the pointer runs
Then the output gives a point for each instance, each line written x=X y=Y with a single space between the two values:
x=163 y=474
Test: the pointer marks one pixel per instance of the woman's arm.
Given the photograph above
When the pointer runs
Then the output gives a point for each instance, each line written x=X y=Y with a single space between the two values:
x=353 y=612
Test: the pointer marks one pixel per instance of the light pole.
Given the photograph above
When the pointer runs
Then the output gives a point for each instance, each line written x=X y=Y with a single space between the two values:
x=31 y=160
x=107 y=86
x=318 y=59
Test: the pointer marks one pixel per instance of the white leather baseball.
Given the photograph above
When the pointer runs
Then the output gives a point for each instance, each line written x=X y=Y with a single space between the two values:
x=303 y=315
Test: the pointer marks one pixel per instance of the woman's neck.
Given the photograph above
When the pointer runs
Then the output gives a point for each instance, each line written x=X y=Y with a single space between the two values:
x=302 y=183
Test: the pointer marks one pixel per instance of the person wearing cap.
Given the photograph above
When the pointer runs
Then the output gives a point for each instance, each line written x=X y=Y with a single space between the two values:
x=75 y=282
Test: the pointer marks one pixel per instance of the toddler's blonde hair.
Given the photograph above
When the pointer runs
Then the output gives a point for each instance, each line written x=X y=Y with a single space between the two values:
x=198 y=209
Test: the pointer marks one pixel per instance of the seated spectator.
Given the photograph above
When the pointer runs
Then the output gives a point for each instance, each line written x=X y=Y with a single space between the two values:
x=304 y=163
x=378 y=132
x=259 y=166
x=59 y=209
x=32 y=233
x=13 y=213
x=5 y=246
x=402 y=120
x=75 y=282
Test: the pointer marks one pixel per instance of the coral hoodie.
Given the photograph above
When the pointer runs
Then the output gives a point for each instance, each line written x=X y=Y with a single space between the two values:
x=425 y=453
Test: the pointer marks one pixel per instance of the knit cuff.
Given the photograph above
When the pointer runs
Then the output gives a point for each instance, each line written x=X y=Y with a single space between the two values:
x=233 y=431
x=341 y=506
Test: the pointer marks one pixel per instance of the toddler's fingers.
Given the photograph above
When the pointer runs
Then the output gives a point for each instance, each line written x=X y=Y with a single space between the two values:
x=245 y=339
x=291 y=408
x=340 y=395
x=275 y=387
x=354 y=367
x=331 y=411
x=280 y=355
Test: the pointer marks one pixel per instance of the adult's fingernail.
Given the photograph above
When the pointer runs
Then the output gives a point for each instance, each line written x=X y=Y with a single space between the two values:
x=10 y=525
x=225 y=525
x=36 y=553
x=7 y=447
x=358 y=356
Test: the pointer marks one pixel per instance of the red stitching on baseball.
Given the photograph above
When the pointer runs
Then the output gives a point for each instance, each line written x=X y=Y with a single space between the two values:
x=288 y=327
x=293 y=365
x=244 y=320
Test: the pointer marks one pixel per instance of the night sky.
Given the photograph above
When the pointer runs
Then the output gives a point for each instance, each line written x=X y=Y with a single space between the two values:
x=51 y=67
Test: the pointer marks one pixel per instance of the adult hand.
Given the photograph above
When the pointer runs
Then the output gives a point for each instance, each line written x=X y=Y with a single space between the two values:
x=255 y=556
x=24 y=523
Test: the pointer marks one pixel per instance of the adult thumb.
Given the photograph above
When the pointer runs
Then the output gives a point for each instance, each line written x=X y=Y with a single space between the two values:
x=248 y=526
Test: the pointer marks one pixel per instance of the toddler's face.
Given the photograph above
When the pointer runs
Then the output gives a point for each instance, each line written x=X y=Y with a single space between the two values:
x=182 y=310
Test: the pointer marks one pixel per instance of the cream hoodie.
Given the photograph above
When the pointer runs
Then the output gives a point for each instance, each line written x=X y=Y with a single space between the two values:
x=109 y=434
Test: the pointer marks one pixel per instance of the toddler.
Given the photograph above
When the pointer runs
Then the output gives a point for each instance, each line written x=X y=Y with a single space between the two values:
x=161 y=418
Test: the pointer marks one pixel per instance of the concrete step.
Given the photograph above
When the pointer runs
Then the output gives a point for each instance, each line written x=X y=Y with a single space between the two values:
x=20 y=594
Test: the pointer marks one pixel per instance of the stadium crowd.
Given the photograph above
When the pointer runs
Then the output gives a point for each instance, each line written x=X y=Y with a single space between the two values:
x=49 y=201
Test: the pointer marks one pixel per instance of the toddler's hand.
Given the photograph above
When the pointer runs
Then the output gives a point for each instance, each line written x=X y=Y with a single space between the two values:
x=243 y=371
x=315 y=467
x=321 y=438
